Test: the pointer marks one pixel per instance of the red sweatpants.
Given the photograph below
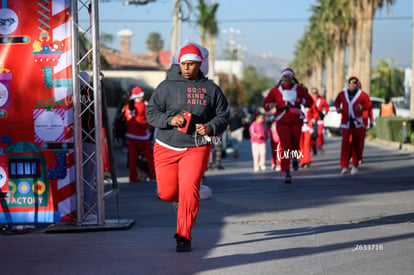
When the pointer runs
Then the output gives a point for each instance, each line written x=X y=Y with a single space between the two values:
x=275 y=158
x=305 y=147
x=134 y=147
x=362 y=144
x=353 y=148
x=320 y=140
x=179 y=176
x=289 y=134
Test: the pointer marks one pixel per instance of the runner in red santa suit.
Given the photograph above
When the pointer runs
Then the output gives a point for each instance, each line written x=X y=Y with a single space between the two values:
x=287 y=97
x=183 y=143
x=368 y=117
x=323 y=108
x=137 y=135
x=308 y=128
x=351 y=103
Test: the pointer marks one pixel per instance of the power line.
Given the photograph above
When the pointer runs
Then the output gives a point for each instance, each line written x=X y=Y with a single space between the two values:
x=240 y=20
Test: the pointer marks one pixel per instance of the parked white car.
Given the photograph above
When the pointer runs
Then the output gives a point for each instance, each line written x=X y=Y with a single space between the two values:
x=332 y=120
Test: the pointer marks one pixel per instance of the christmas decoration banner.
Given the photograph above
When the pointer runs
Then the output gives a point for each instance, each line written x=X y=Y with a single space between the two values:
x=37 y=181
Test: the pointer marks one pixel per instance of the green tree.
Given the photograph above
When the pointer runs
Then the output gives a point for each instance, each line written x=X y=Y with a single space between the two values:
x=154 y=42
x=236 y=94
x=255 y=85
x=207 y=20
x=365 y=12
x=248 y=91
x=337 y=26
x=386 y=81
x=84 y=47
x=106 y=38
x=208 y=26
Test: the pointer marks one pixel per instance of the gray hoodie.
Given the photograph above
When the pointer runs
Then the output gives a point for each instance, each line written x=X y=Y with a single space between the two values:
x=201 y=97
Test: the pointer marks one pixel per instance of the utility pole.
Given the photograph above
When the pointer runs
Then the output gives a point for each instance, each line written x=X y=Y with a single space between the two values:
x=231 y=31
x=176 y=31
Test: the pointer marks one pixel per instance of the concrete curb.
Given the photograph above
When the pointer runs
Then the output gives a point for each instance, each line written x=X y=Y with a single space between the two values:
x=406 y=147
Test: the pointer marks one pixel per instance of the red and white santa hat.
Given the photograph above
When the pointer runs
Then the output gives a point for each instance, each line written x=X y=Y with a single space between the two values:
x=287 y=71
x=136 y=92
x=354 y=78
x=190 y=52
x=204 y=64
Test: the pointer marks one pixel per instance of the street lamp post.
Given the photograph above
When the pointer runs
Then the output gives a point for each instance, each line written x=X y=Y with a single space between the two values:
x=231 y=31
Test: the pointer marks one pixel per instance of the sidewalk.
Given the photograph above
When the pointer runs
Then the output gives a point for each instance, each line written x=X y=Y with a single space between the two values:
x=322 y=223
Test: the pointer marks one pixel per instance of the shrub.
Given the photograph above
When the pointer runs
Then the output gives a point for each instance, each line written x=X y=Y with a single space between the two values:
x=396 y=129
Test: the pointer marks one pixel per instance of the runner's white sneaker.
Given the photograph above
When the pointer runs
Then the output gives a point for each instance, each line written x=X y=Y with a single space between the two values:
x=354 y=170
x=344 y=171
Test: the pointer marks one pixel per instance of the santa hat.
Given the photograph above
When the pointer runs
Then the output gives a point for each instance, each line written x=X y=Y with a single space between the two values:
x=190 y=52
x=136 y=92
x=204 y=64
x=287 y=71
x=356 y=78
x=353 y=77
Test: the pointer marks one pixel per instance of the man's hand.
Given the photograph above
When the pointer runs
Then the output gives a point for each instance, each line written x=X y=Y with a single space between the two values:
x=202 y=129
x=178 y=121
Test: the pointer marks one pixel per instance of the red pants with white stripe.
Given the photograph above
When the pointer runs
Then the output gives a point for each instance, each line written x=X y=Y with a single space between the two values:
x=179 y=176
x=289 y=134
x=352 y=144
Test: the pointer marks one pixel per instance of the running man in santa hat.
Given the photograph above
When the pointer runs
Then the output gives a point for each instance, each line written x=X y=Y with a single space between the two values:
x=190 y=112
x=322 y=108
x=351 y=103
x=137 y=134
x=287 y=97
x=307 y=137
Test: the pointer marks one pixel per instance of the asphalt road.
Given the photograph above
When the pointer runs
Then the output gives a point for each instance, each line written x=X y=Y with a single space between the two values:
x=322 y=223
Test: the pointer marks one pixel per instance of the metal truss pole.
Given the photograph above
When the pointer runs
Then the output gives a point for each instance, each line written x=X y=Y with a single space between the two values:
x=90 y=213
x=77 y=110
x=97 y=91
x=84 y=105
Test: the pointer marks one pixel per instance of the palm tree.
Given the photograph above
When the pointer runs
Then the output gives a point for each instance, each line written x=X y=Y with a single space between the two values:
x=338 y=15
x=351 y=43
x=365 y=11
x=412 y=66
x=327 y=28
x=208 y=26
x=154 y=42
x=324 y=44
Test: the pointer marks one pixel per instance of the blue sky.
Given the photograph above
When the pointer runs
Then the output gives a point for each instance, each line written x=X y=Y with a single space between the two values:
x=263 y=26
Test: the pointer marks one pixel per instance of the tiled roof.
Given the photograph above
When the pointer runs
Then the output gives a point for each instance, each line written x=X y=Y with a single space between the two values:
x=118 y=60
